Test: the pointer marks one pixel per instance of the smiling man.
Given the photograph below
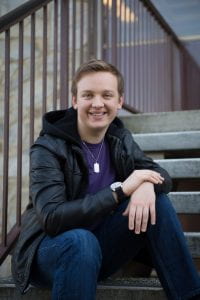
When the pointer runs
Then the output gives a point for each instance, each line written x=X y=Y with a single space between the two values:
x=97 y=102
x=96 y=201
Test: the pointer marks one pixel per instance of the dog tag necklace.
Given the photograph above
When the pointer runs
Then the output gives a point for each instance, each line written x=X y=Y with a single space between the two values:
x=96 y=166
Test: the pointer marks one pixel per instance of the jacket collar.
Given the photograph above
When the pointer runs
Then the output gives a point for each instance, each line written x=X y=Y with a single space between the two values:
x=63 y=124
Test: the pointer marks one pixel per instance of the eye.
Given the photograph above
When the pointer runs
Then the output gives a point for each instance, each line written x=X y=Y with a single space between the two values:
x=107 y=95
x=87 y=95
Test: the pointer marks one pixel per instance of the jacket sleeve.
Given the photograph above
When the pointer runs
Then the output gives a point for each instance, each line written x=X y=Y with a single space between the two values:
x=55 y=212
x=141 y=161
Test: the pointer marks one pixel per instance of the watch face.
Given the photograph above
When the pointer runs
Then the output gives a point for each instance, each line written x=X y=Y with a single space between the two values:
x=115 y=185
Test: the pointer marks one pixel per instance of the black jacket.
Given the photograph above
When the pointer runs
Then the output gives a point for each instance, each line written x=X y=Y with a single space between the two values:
x=58 y=180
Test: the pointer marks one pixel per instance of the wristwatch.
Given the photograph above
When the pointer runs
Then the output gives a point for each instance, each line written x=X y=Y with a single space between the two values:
x=117 y=188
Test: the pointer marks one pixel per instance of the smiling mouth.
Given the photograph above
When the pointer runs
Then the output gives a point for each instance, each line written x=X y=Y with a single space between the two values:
x=97 y=114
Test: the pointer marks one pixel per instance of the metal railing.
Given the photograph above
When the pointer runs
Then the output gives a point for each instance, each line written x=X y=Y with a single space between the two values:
x=44 y=42
x=53 y=38
x=159 y=73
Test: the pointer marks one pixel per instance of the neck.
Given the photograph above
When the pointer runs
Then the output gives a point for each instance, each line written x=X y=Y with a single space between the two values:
x=92 y=137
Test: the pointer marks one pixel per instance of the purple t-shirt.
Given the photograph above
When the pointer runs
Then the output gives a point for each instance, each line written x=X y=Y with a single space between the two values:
x=107 y=175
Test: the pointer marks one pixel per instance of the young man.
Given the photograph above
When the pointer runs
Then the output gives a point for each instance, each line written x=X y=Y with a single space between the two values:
x=96 y=201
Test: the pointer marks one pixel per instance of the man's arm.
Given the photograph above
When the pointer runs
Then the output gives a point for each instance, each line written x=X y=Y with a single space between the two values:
x=138 y=177
x=143 y=162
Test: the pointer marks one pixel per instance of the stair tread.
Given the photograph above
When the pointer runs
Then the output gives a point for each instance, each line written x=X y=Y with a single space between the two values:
x=121 y=289
x=163 y=141
x=163 y=121
x=133 y=282
x=181 y=168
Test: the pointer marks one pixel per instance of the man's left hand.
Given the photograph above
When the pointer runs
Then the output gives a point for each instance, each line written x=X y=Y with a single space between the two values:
x=140 y=207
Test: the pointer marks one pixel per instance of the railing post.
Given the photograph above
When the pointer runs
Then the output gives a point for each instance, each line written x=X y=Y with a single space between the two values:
x=92 y=33
x=55 y=54
x=6 y=137
x=20 y=122
x=44 y=72
x=64 y=52
x=32 y=80
x=99 y=29
x=114 y=33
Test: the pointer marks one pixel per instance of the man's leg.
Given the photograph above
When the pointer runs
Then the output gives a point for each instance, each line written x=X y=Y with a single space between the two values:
x=68 y=263
x=118 y=244
x=166 y=244
x=170 y=253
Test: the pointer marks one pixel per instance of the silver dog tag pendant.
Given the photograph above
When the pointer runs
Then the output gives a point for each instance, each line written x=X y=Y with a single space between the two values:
x=96 y=168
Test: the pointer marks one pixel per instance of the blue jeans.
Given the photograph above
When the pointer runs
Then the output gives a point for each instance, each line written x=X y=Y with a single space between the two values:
x=73 y=262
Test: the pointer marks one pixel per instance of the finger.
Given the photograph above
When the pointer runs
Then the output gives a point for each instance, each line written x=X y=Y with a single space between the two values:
x=159 y=180
x=160 y=177
x=138 y=219
x=131 y=221
x=156 y=175
x=145 y=218
x=155 y=179
x=153 y=214
x=125 y=213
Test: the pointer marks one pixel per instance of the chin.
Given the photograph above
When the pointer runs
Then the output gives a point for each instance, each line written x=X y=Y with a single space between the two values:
x=99 y=127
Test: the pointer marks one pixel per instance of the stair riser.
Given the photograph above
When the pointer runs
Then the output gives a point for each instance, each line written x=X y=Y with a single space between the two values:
x=193 y=240
x=188 y=202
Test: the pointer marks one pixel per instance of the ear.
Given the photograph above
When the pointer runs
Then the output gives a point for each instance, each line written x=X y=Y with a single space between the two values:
x=74 y=102
x=121 y=101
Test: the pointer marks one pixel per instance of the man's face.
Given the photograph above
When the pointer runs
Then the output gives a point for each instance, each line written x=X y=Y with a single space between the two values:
x=97 y=102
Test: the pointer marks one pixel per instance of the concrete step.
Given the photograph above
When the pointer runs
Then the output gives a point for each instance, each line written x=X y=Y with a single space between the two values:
x=163 y=141
x=132 y=289
x=112 y=289
x=193 y=240
x=186 y=202
x=182 y=168
x=119 y=289
x=163 y=122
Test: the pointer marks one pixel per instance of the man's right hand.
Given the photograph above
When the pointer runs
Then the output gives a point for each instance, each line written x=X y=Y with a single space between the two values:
x=138 y=177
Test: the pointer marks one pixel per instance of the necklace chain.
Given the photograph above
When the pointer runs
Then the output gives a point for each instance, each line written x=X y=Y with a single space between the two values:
x=96 y=164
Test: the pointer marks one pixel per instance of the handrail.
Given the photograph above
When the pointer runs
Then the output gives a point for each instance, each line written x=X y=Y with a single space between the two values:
x=157 y=67
x=167 y=28
x=21 y=12
x=162 y=21
x=17 y=16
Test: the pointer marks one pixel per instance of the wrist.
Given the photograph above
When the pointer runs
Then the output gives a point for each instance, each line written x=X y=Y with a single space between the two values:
x=125 y=188
x=117 y=190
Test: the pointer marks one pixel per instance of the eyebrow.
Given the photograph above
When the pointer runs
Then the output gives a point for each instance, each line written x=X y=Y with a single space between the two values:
x=86 y=91
x=91 y=91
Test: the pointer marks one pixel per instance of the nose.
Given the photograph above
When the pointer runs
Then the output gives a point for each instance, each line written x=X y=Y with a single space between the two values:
x=97 y=102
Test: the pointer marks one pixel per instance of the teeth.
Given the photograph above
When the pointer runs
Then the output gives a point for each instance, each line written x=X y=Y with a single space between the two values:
x=97 y=114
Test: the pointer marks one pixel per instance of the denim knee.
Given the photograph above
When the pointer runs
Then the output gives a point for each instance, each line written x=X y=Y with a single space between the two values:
x=164 y=206
x=83 y=245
